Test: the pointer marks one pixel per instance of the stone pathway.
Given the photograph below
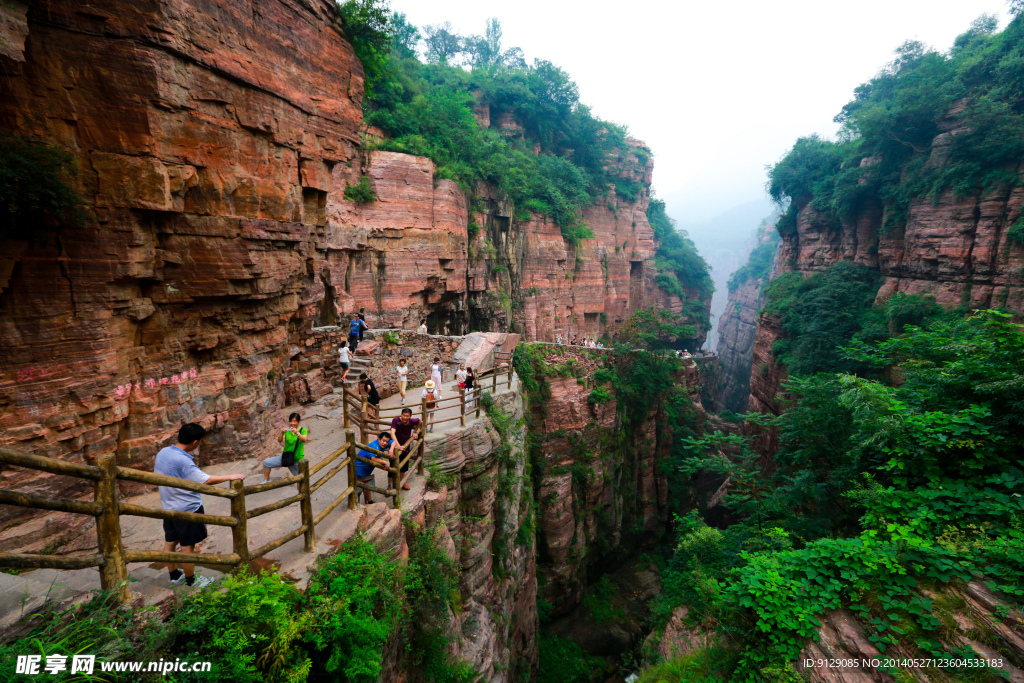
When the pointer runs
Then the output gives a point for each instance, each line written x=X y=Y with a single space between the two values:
x=27 y=592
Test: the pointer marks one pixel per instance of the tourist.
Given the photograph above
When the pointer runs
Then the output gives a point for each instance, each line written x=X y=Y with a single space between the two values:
x=355 y=332
x=470 y=381
x=366 y=386
x=362 y=317
x=294 y=439
x=430 y=395
x=364 y=470
x=177 y=461
x=403 y=377
x=600 y=345
x=401 y=436
x=423 y=327
x=558 y=339
x=435 y=371
x=460 y=376
x=344 y=360
x=573 y=342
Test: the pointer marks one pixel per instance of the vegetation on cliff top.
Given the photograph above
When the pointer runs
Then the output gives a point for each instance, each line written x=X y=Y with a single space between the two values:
x=928 y=122
x=543 y=149
x=880 y=495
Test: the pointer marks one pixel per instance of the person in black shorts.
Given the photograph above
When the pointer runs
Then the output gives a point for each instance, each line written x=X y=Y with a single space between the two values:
x=177 y=461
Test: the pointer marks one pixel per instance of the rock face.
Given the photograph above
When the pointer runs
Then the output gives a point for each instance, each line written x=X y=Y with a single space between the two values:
x=213 y=143
x=600 y=498
x=956 y=249
x=736 y=331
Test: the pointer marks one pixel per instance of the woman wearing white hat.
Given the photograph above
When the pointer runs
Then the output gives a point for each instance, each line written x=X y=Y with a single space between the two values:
x=430 y=395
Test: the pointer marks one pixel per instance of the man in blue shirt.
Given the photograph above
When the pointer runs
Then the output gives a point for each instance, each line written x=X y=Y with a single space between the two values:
x=177 y=461
x=355 y=331
x=364 y=470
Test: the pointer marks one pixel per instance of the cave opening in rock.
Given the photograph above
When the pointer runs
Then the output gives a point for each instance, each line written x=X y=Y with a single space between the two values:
x=327 y=314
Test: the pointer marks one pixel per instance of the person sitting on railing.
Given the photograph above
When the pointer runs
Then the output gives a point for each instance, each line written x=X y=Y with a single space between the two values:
x=430 y=395
x=364 y=470
x=177 y=461
x=401 y=436
x=294 y=439
x=366 y=386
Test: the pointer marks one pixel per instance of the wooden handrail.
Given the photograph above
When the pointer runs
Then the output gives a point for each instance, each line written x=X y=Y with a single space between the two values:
x=326 y=461
x=51 y=465
x=274 y=545
x=181 y=516
x=327 y=477
x=30 y=500
x=174 y=482
x=33 y=561
x=360 y=458
x=271 y=485
x=335 y=503
x=283 y=503
x=188 y=558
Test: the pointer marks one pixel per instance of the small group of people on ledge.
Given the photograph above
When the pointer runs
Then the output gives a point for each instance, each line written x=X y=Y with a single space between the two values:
x=588 y=343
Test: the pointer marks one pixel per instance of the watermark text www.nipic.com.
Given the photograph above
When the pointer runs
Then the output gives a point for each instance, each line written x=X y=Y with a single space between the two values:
x=35 y=665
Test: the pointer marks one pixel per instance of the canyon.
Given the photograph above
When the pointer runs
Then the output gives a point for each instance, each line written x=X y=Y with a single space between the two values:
x=212 y=144
x=219 y=262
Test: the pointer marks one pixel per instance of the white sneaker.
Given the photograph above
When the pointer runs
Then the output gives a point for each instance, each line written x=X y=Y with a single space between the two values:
x=202 y=582
x=178 y=581
x=403 y=401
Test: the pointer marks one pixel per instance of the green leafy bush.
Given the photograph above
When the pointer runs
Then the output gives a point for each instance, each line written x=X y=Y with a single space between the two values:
x=563 y=661
x=360 y=192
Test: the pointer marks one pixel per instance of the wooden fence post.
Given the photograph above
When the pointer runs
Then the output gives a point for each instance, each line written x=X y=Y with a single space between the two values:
x=353 y=498
x=422 y=449
x=494 y=379
x=362 y=421
x=395 y=480
x=114 y=572
x=462 y=407
x=344 y=406
x=423 y=415
x=240 y=532
x=306 y=504
x=510 y=373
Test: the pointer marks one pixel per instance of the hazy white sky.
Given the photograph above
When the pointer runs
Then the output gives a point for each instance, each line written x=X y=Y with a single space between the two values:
x=717 y=89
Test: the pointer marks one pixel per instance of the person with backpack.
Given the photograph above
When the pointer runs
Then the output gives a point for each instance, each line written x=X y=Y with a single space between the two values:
x=355 y=332
x=431 y=395
x=294 y=439
x=177 y=461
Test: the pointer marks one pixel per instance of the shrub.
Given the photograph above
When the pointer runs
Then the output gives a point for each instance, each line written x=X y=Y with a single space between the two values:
x=360 y=192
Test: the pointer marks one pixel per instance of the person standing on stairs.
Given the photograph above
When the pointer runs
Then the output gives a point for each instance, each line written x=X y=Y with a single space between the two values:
x=430 y=396
x=355 y=332
x=177 y=461
x=362 y=317
x=344 y=360
x=403 y=377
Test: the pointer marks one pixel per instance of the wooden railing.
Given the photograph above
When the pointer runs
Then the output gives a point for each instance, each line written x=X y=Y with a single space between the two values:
x=113 y=558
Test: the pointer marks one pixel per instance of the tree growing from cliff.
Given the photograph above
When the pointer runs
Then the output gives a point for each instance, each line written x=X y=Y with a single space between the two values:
x=368 y=26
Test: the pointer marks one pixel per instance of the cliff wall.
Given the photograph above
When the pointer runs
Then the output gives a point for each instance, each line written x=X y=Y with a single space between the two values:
x=737 y=329
x=956 y=250
x=601 y=492
x=213 y=143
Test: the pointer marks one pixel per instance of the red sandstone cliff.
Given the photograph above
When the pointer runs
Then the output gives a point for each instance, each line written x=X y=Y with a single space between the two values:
x=955 y=249
x=213 y=143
